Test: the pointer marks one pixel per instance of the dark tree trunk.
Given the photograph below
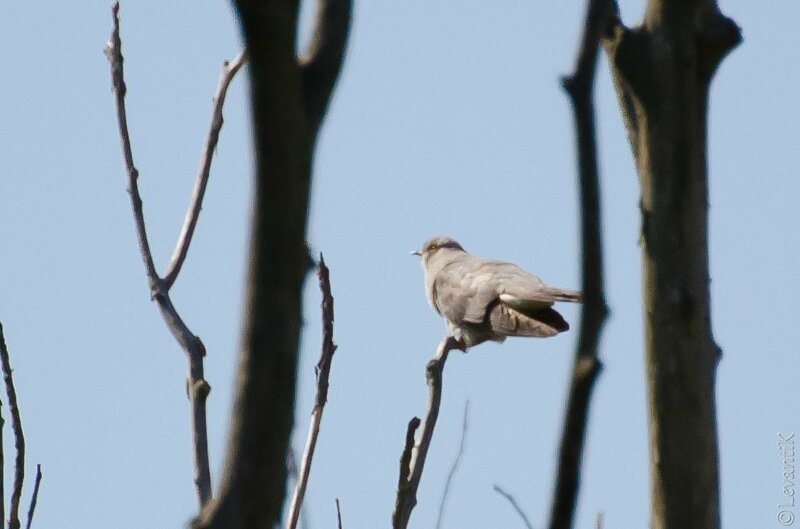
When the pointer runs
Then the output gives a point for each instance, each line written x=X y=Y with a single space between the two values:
x=289 y=97
x=662 y=71
x=587 y=366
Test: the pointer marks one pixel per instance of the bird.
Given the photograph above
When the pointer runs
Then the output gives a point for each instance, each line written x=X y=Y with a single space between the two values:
x=482 y=299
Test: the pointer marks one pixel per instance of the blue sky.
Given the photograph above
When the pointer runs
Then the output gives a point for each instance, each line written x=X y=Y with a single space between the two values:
x=448 y=119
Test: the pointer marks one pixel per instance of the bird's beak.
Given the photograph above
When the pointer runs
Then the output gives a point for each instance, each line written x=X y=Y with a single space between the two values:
x=415 y=252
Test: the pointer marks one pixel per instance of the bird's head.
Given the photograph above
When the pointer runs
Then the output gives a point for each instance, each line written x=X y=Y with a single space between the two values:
x=433 y=245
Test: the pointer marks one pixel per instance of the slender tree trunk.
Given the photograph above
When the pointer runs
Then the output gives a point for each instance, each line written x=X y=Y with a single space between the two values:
x=278 y=261
x=662 y=71
x=587 y=365
x=290 y=97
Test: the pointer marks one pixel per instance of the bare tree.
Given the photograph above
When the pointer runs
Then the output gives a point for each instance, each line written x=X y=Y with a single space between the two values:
x=662 y=70
x=290 y=96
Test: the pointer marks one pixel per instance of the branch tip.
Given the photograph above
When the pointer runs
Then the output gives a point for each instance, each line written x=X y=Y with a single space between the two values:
x=322 y=373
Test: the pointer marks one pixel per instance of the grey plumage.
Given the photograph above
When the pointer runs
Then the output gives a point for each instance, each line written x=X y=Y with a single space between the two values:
x=481 y=299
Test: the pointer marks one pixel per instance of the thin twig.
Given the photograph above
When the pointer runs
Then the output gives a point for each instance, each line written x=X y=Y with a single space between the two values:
x=229 y=70
x=19 y=437
x=598 y=521
x=197 y=387
x=338 y=514
x=2 y=462
x=454 y=466
x=587 y=365
x=515 y=505
x=407 y=488
x=292 y=473
x=114 y=54
x=323 y=370
x=34 y=496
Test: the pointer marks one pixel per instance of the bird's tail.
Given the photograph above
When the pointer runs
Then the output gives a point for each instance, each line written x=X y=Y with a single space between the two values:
x=506 y=321
x=562 y=294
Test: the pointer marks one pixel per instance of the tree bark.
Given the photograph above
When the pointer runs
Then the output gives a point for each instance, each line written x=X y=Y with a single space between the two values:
x=662 y=71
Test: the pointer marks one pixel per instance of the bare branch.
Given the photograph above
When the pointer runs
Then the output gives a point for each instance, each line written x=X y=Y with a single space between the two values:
x=338 y=514
x=405 y=460
x=19 y=437
x=229 y=70
x=323 y=370
x=407 y=488
x=197 y=387
x=322 y=62
x=2 y=459
x=515 y=505
x=594 y=312
x=453 y=467
x=114 y=54
x=34 y=496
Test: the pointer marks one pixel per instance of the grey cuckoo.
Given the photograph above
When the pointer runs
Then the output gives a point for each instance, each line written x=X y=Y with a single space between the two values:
x=482 y=300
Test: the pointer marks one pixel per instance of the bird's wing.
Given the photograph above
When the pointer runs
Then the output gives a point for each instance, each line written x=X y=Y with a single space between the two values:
x=463 y=289
x=524 y=291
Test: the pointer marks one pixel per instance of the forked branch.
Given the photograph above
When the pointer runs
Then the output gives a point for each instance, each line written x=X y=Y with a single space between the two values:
x=197 y=387
x=322 y=62
x=412 y=461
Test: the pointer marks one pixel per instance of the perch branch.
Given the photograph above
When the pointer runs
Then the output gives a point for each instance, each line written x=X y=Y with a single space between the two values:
x=587 y=365
x=197 y=387
x=338 y=514
x=407 y=488
x=323 y=370
x=229 y=70
x=515 y=505
x=453 y=467
x=19 y=437
x=34 y=496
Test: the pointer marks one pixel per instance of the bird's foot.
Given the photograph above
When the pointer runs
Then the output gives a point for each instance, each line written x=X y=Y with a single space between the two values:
x=458 y=342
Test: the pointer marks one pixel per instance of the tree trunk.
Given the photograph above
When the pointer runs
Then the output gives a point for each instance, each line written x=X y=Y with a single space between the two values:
x=662 y=71
x=290 y=96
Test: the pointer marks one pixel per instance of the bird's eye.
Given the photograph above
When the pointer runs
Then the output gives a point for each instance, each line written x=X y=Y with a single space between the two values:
x=434 y=247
